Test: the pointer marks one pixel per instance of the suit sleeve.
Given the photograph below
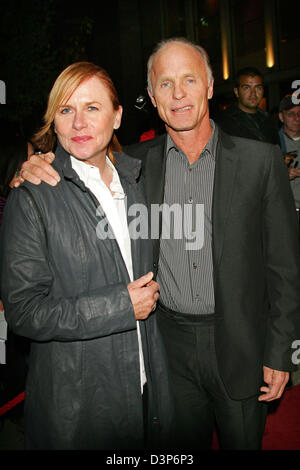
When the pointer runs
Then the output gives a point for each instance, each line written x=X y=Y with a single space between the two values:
x=30 y=307
x=282 y=262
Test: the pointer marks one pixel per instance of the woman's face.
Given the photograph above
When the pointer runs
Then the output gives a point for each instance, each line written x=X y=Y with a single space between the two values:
x=85 y=123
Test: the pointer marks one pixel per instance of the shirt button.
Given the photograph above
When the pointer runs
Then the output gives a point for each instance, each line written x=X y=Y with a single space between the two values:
x=194 y=265
x=190 y=199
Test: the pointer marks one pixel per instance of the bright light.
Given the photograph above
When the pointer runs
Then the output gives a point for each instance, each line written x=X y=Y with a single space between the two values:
x=270 y=59
x=225 y=60
x=270 y=55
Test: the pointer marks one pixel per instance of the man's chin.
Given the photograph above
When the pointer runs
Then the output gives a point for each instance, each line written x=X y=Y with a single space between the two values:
x=179 y=128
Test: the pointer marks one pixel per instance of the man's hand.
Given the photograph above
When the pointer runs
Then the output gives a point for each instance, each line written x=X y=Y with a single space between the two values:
x=289 y=158
x=294 y=173
x=144 y=295
x=276 y=381
x=36 y=169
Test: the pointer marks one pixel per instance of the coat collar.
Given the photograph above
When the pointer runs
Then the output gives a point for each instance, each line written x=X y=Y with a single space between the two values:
x=127 y=167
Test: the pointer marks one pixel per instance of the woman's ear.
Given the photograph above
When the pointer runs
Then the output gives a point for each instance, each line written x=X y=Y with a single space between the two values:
x=118 y=118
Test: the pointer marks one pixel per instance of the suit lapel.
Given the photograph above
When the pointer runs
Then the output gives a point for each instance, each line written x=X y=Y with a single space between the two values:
x=225 y=173
x=155 y=170
x=155 y=173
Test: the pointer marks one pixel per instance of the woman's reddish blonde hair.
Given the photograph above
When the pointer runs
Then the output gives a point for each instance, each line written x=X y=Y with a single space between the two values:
x=64 y=86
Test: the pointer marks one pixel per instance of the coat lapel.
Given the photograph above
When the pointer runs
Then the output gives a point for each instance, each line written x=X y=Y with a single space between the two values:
x=225 y=173
x=155 y=170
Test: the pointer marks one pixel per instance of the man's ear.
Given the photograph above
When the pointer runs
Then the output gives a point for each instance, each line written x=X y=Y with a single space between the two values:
x=210 y=91
x=236 y=92
x=280 y=115
x=151 y=98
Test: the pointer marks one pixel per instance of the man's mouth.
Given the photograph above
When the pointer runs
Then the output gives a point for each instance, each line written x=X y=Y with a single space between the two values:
x=181 y=110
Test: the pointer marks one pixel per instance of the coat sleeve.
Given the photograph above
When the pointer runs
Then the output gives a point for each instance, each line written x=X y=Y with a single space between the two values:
x=282 y=263
x=31 y=309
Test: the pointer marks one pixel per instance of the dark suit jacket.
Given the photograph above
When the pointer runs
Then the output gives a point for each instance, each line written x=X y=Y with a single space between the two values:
x=255 y=256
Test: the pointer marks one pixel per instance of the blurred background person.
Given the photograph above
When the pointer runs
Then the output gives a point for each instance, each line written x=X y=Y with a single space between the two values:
x=14 y=150
x=244 y=118
x=289 y=133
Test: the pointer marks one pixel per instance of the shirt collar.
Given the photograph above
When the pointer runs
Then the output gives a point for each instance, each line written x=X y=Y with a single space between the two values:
x=85 y=170
x=289 y=137
x=210 y=147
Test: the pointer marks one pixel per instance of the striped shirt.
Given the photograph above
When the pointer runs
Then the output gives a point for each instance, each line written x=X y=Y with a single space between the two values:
x=185 y=270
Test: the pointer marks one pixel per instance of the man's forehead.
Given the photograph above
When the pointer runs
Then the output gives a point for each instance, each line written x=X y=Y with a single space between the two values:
x=175 y=50
x=251 y=79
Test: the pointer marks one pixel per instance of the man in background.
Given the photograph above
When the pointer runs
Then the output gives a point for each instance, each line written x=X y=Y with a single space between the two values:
x=289 y=134
x=244 y=118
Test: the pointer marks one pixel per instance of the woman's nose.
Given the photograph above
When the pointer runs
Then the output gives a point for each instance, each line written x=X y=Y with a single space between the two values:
x=79 y=120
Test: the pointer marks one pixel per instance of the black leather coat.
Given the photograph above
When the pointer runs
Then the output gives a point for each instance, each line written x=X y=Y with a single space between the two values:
x=65 y=288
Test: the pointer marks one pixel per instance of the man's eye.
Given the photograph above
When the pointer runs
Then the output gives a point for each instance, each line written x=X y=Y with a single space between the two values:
x=165 y=84
x=190 y=80
x=92 y=108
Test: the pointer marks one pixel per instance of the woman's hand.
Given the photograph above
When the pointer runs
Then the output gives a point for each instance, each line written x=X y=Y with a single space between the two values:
x=144 y=295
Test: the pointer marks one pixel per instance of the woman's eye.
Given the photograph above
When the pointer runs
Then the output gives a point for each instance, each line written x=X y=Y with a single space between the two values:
x=65 y=110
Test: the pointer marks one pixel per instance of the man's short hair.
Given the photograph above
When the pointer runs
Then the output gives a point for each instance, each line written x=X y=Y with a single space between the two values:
x=164 y=42
x=250 y=71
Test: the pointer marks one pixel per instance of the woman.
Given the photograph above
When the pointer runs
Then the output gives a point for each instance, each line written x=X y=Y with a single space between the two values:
x=68 y=283
x=14 y=150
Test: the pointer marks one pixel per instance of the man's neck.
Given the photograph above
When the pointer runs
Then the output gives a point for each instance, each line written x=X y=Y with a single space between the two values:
x=291 y=134
x=191 y=142
x=247 y=110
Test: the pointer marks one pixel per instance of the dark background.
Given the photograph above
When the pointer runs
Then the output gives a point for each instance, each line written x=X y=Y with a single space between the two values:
x=39 y=38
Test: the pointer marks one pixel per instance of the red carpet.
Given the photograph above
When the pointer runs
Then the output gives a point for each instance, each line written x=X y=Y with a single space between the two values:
x=283 y=424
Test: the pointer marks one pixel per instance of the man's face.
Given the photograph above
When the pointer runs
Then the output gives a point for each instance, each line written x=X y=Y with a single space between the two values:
x=291 y=121
x=249 y=93
x=180 y=88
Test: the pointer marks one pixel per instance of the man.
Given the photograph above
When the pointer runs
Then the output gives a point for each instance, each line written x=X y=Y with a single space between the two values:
x=289 y=134
x=229 y=310
x=244 y=118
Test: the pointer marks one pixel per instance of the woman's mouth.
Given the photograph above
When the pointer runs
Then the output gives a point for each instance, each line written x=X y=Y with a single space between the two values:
x=81 y=139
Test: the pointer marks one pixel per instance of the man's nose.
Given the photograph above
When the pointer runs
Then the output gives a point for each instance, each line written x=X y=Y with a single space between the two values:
x=178 y=91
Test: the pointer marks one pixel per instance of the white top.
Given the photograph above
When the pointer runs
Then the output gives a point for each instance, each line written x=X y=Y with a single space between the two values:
x=114 y=207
